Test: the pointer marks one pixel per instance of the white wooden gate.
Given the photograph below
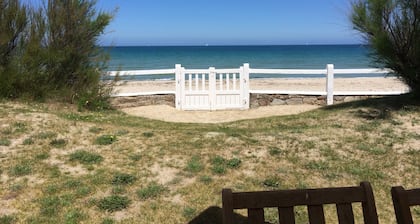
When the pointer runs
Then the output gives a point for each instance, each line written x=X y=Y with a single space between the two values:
x=212 y=89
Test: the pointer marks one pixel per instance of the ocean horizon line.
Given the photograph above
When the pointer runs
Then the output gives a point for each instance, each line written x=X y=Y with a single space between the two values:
x=233 y=45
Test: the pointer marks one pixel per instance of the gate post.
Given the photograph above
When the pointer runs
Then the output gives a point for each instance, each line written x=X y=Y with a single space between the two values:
x=330 y=84
x=245 y=86
x=178 y=87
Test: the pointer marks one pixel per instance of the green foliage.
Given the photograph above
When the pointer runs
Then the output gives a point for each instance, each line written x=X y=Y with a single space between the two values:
x=50 y=206
x=123 y=179
x=74 y=217
x=113 y=203
x=148 y=134
x=21 y=169
x=271 y=182
x=106 y=139
x=153 y=190
x=4 y=142
x=194 y=165
x=392 y=29
x=58 y=143
x=7 y=219
x=85 y=157
x=52 y=51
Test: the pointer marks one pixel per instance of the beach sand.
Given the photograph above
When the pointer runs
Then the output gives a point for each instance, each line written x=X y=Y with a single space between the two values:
x=170 y=114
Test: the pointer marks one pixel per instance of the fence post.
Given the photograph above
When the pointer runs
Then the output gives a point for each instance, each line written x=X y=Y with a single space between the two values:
x=330 y=84
x=178 y=87
x=212 y=87
x=245 y=86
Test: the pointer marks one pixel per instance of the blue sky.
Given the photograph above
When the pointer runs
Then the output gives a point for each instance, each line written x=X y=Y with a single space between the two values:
x=227 y=22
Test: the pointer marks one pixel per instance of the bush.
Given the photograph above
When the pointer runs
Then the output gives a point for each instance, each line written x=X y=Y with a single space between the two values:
x=53 y=52
x=113 y=203
x=123 y=179
x=106 y=139
x=85 y=157
x=392 y=30
x=153 y=190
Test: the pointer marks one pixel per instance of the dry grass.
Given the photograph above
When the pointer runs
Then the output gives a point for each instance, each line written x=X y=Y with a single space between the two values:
x=173 y=172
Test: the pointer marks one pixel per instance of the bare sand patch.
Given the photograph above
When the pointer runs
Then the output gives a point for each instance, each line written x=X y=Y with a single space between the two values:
x=170 y=114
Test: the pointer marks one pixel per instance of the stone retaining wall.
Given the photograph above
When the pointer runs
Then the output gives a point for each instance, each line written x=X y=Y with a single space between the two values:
x=256 y=100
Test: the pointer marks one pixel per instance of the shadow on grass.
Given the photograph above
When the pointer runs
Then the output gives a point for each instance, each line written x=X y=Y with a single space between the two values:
x=380 y=108
x=214 y=215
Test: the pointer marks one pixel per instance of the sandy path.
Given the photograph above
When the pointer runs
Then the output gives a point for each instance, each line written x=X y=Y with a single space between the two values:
x=170 y=114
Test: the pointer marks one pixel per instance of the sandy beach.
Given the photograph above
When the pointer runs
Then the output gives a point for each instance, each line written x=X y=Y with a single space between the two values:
x=170 y=114
x=287 y=84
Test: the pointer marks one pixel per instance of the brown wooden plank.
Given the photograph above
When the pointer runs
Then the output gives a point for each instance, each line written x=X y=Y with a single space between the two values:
x=368 y=205
x=413 y=197
x=256 y=216
x=316 y=214
x=345 y=213
x=286 y=198
x=227 y=203
x=286 y=215
x=401 y=206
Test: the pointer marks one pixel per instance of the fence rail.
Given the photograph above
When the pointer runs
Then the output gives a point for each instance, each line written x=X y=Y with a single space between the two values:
x=329 y=73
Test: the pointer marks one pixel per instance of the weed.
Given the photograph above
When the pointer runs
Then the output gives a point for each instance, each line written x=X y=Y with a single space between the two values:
x=85 y=157
x=21 y=169
x=206 y=179
x=106 y=139
x=58 y=143
x=123 y=179
x=95 y=130
x=46 y=135
x=271 y=182
x=72 y=183
x=107 y=221
x=74 y=217
x=135 y=157
x=194 y=165
x=148 y=134
x=234 y=163
x=28 y=141
x=42 y=156
x=4 y=142
x=19 y=127
x=50 y=206
x=7 y=219
x=317 y=165
x=153 y=190
x=189 y=212
x=218 y=169
x=274 y=151
x=113 y=203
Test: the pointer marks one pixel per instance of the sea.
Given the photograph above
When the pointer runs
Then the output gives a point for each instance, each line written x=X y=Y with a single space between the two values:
x=270 y=57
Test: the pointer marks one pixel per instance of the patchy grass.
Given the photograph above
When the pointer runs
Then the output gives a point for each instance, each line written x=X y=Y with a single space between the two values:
x=156 y=168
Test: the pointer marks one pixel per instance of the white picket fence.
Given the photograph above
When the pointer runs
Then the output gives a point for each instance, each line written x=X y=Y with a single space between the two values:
x=218 y=89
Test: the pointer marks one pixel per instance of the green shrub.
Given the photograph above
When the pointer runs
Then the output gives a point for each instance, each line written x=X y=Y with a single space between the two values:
x=194 y=165
x=7 y=219
x=4 y=142
x=113 y=203
x=28 y=141
x=148 y=134
x=21 y=169
x=153 y=190
x=106 y=139
x=58 y=143
x=123 y=179
x=85 y=157
x=271 y=182
x=107 y=221
x=234 y=163
x=74 y=217
x=50 y=206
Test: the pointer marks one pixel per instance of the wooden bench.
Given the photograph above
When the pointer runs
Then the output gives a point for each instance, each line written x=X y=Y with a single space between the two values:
x=314 y=199
x=402 y=200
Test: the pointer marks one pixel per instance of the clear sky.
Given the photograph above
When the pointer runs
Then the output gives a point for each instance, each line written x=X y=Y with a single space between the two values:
x=228 y=22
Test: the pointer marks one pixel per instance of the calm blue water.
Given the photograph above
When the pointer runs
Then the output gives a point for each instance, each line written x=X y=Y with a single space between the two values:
x=292 y=57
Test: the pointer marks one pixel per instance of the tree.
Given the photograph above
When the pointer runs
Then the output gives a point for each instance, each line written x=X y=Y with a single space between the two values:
x=75 y=60
x=13 y=22
x=392 y=30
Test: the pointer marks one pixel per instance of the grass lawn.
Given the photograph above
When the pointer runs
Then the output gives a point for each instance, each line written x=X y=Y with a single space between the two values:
x=58 y=165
